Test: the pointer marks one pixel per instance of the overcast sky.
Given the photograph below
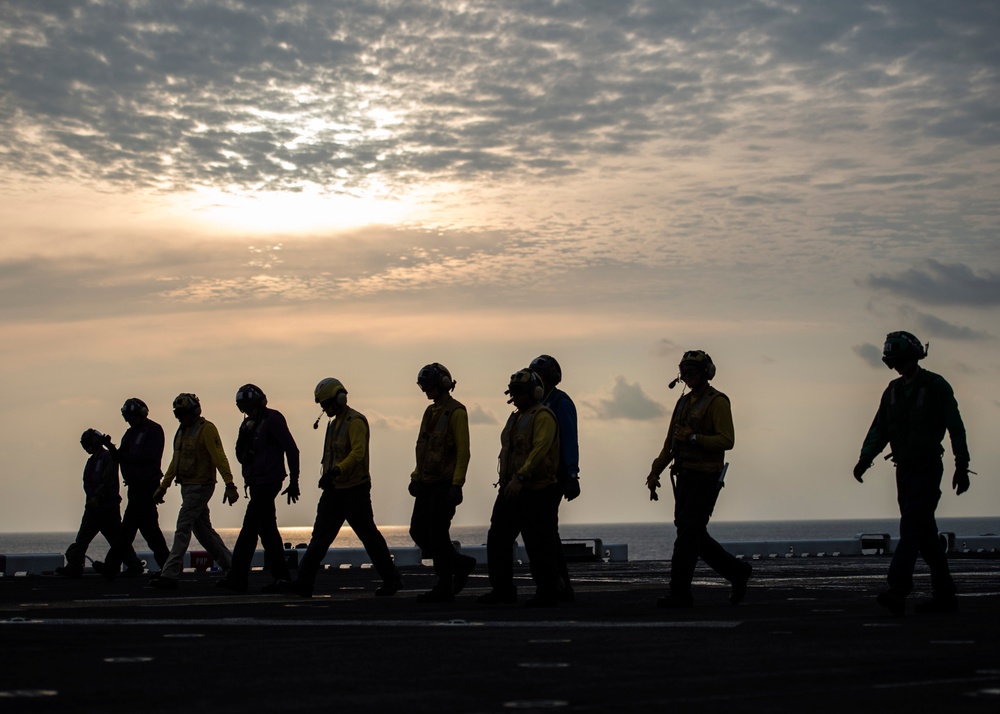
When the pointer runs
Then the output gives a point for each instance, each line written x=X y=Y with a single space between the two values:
x=202 y=194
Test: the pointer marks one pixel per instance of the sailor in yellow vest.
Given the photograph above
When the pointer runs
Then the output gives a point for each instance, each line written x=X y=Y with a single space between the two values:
x=198 y=456
x=528 y=501
x=437 y=480
x=347 y=495
x=700 y=432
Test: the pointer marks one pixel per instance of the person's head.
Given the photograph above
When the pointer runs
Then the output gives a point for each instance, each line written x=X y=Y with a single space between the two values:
x=901 y=351
x=435 y=380
x=696 y=368
x=546 y=367
x=92 y=441
x=525 y=389
x=251 y=400
x=134 y=411
x=187 y=408
x=331 y=396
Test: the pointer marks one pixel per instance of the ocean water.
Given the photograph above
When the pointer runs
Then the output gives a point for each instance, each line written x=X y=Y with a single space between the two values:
x=646 y=541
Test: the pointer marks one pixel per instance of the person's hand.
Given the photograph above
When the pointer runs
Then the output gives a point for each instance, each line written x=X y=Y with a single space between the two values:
x=413 y=488
x=292 y=492
x=326 y=480
x=232 y=494
x=455 y=496
x=653 y=483
x=859 y=470
x=158 y=495
x=571 y=489
x=512 y=489
x=106 y=440
x=682 y=432
x=960 y=481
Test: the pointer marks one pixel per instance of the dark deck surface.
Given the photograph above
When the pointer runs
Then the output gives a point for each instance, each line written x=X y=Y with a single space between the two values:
x=809 y=638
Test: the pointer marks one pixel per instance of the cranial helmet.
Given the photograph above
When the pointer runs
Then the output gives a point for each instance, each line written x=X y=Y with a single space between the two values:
x=548 y=369
x=699 y=359
x=435 y=375
x=901 y=346
x=186 y=403
x=249 y=396
x=91 y=439
x=525 y=382
x=330 y=388
x=134 y=407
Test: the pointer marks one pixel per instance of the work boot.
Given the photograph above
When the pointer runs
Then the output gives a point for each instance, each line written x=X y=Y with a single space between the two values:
x=162 y=583
x=70 y=571
x=106 y=570
x=230 y=583
x=542 y=600
x=466 y=564
x=895 y=604
x=132 y=571
x=938 y=606
x=437 y=594
x=498 y=597
x=389 y=587
x=739 y=590
x=675 y=602
x=295 y=587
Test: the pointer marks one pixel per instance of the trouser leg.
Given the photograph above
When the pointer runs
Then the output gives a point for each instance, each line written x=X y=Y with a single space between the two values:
x=194 y=499
x=500 y=539
x=361 y=518
x=210 y=540
x=694 y=502
x=90 y=526
x=143 y=512
x=430 y=528
x=270 y=536
x=330 y=517
x=918 y=488
x=539 y=528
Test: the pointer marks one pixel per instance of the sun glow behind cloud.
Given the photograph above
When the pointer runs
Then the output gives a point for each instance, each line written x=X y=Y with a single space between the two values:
x=308 y=211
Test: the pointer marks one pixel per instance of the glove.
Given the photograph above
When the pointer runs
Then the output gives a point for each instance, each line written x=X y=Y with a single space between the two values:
x=571 y=489
x=232 y=494
x=859 y=470
x=960 y=481
x=158 y=495
x=413 y=488
x=653 y=483
x=326 y=480
x=455 y=495
x=106 y=440
x=292 y=492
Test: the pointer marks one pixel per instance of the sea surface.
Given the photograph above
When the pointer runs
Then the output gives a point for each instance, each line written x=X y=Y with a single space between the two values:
x=646 y=541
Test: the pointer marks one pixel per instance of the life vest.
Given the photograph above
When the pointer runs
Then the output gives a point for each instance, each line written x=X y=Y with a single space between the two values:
x=337 y=447
x=915 y=421
x=437 y=454
x=193 y=464
x=695 y=415
x=516 y=444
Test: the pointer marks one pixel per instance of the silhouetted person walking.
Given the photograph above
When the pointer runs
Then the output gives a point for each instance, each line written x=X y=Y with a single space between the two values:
x=915 y=410
x=701 y=431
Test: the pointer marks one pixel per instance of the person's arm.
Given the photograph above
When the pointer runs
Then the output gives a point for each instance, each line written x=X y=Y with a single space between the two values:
x=357 y=431
x=877 y=437
x=460 y=431
x=282 y=435
x=543 y=432
x=213 y=443
x=569 y=443
x=724 y=438
x=953 y=423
